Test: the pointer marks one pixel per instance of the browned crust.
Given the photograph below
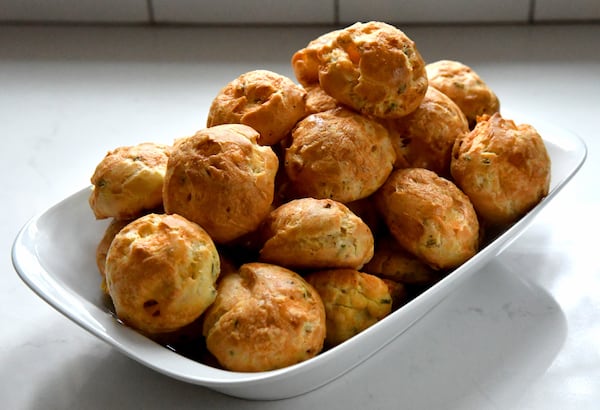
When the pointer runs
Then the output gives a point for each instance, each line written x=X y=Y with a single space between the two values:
x=222 y=179
x=317 y=100
x=503 y=167
x=128 y=181
x=265 y=317
x=111 y=231
x=315 y=233
x=424 y=138
x=353 y=301
x=430 y=217
x=465 y=87
x=339 y=154
x=372 y=67
x=391 y=261
x=266 y=101
x=160 y=273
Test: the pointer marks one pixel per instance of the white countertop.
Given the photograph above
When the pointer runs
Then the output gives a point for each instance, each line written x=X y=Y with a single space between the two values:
x=522 y=334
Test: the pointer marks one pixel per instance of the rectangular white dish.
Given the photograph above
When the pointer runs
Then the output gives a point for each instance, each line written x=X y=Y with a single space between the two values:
x=54 y=254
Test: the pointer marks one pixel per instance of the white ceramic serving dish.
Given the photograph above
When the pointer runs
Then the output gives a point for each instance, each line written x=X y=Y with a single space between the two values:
x=54 y=254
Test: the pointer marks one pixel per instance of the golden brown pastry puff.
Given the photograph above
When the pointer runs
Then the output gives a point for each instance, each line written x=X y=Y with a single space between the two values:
x=465 y=87
x=222 y=179
x=315 y=233
x=503 y=167
x=161 y=272
x=353 y=301
x=265 y=317
x=430 y=217
x=391 y=261
x=111 y=231
x=266 y=101
x=306 y=61
x=338 y=154
x=398 y=291
x=424 y=138
x=372 y=67
x=317 y=100
x=128 y=181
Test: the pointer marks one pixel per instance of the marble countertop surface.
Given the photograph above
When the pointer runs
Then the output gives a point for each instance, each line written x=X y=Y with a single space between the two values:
x=523 y=334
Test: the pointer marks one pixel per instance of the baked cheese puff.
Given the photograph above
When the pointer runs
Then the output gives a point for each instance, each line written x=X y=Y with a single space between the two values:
x=504 y=168
x=317 y=100
x=128 y=181
x=372 y=67
x=265 y=317
x=353 y=301
x=465 y=87
x=430 y=217
x=222 y=179
x=309 y=233
x=398 y=292
x=425 y=137
x=266 y=101
x=391 y=261
x=161 y=272
x=338 y=154
x=111 y=231
x=306 y=61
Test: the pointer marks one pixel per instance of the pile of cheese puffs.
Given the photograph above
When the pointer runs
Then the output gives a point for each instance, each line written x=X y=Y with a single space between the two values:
x=308 y=209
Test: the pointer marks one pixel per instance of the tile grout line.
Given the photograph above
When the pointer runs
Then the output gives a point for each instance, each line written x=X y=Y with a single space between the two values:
x=531 y=13
x=150 y=8
x=336 y=12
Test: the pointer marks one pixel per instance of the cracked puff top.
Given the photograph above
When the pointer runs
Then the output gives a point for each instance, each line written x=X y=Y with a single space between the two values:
x=372 y=67
x=266 y=101
x=222 y=179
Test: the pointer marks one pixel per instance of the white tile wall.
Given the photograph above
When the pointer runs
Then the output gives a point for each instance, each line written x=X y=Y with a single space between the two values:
x=244 y=11
x=547 y=10
x=434 y=11
x=89 y=11
x=297 y=11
